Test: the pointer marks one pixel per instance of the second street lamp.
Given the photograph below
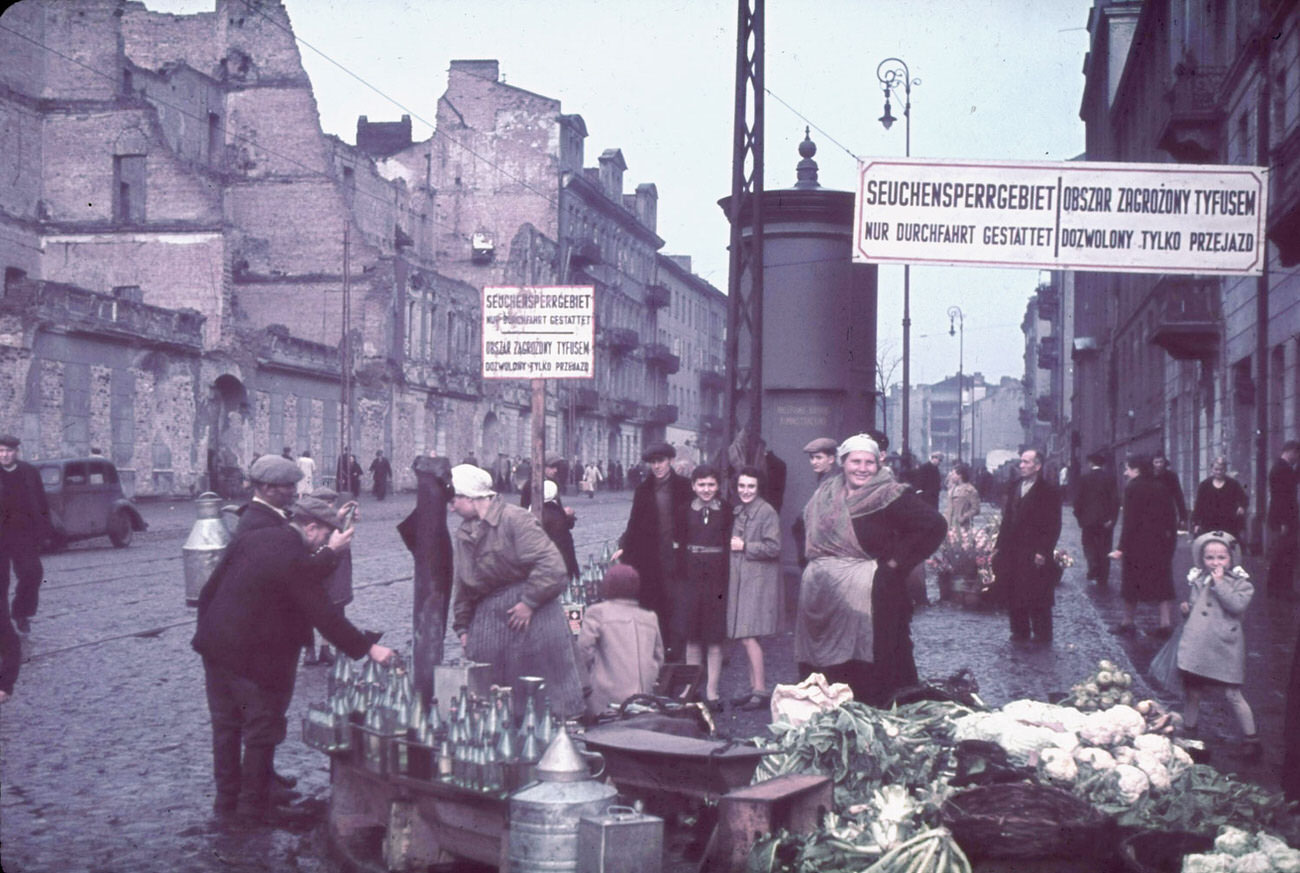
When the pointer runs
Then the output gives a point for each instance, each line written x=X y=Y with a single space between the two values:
x=892 y=73
x=957 y=325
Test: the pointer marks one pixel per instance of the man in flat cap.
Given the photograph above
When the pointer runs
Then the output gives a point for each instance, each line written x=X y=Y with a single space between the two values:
x=24 y=527
x=655 y=524
x=551 y=468
x=821 y=457
x=275 y=481
x=255 y=612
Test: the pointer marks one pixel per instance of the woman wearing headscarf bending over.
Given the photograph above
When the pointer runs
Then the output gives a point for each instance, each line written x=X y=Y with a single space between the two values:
x=508 y=576
x=865 y=533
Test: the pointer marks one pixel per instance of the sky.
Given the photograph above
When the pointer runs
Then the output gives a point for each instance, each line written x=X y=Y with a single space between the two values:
x=998 y=79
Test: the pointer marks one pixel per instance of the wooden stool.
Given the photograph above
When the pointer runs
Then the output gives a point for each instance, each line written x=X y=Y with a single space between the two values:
x=795 y=802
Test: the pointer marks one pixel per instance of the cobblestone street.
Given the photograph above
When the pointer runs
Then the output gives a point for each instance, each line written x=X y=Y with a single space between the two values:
x=105 y=763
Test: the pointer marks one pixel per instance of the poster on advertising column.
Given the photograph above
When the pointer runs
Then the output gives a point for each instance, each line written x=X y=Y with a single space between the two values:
x=538 y=332
x=1076 y=215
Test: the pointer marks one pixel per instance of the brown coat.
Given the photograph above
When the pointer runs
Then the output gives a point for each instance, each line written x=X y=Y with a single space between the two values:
x=506 y=545
x=963 y=505
x=620 y=652
x=1212 y=644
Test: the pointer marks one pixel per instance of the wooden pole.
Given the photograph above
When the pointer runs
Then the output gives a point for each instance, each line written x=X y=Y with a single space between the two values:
x=539 y=446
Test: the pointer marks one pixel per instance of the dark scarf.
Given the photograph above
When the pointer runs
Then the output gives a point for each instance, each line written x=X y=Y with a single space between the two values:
x=830 y=513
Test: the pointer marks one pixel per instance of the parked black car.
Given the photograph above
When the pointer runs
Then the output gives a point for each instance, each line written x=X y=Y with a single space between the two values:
x=86 y=500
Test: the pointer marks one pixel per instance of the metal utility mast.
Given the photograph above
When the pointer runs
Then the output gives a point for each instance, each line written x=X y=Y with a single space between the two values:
x=745 y=299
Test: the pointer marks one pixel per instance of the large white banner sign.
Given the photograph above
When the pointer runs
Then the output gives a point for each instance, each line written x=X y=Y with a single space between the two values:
x=1148 y=218
x=538 y=332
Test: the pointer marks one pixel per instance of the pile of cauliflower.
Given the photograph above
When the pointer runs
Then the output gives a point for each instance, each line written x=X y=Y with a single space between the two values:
x=1238 y=851
x=1110 y=748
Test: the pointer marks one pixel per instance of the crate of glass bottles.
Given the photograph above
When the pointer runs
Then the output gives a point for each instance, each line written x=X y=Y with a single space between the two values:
x=412 y=759
x=322 y=731
x=371 y=748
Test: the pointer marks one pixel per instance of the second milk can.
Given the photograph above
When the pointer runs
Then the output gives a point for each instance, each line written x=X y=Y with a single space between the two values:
x=205 y=545
x=544 y=817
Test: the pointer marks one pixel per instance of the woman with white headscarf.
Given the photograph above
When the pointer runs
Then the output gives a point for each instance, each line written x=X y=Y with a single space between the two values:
x=508 y=577
x=865 y=533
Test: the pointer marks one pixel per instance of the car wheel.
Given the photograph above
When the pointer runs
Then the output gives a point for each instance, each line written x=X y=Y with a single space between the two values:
x=120 y=530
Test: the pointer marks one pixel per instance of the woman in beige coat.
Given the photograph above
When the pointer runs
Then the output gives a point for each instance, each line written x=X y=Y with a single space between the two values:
x=963 y=499
x=754 y=587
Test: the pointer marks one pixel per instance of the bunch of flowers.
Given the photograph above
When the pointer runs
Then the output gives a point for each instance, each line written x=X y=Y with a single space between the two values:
x=968 y=553
x=1063 y=558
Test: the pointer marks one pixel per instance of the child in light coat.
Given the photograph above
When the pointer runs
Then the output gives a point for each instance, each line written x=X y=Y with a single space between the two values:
x=1212 y=650
x=620 y=649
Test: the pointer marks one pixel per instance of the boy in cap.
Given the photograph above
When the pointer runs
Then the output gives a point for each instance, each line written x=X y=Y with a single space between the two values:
x=24 y=527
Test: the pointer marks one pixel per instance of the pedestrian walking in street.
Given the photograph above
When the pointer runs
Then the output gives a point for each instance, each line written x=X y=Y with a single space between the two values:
x=1220 y=503
x=702 y=565
x=866 y=531
x=1096 y=507
x=1024 y=564
x=654 y=524
x=1212 y=649
x=620 y=647
x=591 y=477
x=559 y=527
x=307 y=484
x=927 y=481
x=1283 y=522
x=381 y=473
x=508 y=579
x=963 y=499
x=1147 y=539
x=1169 y=479
x=24 y=527
x=347 y=475
x=754 y=591
x=338 y=584
x=254 y=614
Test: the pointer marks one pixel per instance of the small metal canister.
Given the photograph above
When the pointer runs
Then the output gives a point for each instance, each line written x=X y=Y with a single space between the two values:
x=622 y=840
x=205 y=546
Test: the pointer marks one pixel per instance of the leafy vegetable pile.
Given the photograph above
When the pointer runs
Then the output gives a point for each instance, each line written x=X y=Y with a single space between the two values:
x=1237 y=851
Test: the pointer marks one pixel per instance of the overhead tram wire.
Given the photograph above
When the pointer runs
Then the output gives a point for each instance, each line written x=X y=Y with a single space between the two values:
x=810 y=123
x=411 y=112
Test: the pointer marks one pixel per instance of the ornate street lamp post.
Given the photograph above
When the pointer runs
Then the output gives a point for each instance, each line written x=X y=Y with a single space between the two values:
x=892 y=73
x=957 y=325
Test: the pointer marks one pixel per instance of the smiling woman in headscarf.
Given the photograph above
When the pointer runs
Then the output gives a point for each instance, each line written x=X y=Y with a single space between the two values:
x=865 y=533
x=508 y=576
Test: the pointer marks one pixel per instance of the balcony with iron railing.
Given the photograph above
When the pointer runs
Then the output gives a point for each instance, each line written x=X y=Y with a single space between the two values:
x=79 y=308
x=1192 y=126
x=621 y=340
x=623 y=409
x=1188 y=317
x=659 y=355
x=584 y=254
x=663 y=414
x=657 y=296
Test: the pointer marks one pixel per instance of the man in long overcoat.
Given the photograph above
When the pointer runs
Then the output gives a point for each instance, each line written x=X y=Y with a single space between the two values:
x=1096 y=506
x=24 y=527
x=654 y=526
x=254 y=614
x=1024 y=564
x=1283 y=521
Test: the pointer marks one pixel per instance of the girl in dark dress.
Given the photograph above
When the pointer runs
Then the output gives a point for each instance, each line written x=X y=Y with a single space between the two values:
x=1220 y=503
x=1148 y=535
x=704 y=562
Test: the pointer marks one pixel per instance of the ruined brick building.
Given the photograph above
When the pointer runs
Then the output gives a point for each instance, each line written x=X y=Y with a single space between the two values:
x=177 y=232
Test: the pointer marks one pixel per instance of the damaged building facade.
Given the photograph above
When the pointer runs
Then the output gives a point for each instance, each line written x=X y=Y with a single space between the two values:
x=179 y=237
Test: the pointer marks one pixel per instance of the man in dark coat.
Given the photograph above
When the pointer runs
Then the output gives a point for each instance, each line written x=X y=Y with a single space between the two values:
x=1096 y=506
x=24 y=527
x=927 y=481
x=655 y=523
x=275 y=481
x=1169 y=479
x=1283 y=522
x=347 y=475
x=381 y=471
x=255 y=612
x=1024 y=563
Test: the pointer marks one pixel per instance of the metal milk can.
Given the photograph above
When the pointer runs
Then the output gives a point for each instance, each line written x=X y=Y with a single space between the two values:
x=544 y=817
x=205 y=546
